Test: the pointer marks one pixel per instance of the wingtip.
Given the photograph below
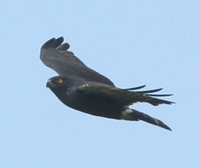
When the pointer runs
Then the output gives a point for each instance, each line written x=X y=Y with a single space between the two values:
x=149 y=91
x=135 y=88
x=64 y=46
x=160 y=95
x=61 y=39
x=48 y=43
x=53 y=42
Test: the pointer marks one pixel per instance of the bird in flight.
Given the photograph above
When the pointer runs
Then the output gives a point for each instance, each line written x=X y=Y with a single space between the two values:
x=86 y=90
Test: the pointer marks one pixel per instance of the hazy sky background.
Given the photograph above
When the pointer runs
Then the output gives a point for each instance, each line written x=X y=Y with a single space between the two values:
x=156 y=43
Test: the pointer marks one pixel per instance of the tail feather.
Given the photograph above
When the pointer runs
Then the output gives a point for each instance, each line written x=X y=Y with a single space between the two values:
x=135 y=115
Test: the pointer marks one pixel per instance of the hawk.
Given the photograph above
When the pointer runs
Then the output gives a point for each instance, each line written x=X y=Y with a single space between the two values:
x=86 y=90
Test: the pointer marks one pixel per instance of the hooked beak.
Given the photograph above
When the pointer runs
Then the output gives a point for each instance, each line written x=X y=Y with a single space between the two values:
x=49 y=83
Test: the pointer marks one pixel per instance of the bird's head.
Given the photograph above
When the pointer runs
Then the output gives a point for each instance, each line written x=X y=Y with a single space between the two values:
x=57 y=82
x=59 y=86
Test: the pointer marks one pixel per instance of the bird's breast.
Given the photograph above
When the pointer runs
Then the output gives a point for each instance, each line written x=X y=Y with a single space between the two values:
x=95 y=105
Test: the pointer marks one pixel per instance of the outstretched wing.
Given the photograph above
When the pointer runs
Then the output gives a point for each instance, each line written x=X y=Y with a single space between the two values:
x=123 y=96
x=54 y=54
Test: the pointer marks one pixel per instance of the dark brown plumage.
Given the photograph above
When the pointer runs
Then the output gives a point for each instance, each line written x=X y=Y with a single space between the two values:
x=83 y=89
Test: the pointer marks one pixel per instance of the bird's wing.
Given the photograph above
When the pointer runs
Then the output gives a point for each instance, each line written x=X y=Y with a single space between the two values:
x=54 y=54
x=123 y=96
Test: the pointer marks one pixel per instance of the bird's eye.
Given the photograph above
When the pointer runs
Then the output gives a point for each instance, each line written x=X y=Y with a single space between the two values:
x=60 y=81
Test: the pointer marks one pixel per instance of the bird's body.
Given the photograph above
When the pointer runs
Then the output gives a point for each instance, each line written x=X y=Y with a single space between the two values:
x=73 y=96
x=83 y=89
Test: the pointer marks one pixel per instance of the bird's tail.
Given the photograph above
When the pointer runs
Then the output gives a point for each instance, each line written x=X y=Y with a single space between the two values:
x=134 y=115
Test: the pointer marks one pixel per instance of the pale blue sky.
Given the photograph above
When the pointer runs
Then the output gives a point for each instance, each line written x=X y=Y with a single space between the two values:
x=156 y=43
